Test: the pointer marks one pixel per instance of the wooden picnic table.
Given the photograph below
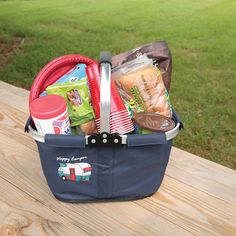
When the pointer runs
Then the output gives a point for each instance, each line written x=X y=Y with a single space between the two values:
x=197 y=196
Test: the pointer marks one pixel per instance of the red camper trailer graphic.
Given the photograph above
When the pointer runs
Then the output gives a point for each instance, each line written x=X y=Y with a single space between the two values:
x=75 y=171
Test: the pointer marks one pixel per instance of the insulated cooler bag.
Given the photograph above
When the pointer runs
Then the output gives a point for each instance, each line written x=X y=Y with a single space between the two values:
x=105 y=166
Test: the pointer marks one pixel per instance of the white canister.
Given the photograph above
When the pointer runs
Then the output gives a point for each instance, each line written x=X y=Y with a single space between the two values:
x=50 y=115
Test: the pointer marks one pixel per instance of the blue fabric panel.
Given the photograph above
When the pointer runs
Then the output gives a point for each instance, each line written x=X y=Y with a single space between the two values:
x=146 y=139
x=65 y=140
x=117 y=173
x=138 y=171
x=105 y=165
x=52 y=157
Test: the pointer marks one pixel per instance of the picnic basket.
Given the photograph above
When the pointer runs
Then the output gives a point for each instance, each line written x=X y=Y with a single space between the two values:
x=123 y=167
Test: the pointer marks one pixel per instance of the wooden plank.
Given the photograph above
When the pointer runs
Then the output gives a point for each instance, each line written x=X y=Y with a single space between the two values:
x=196 y=211
x=16 y=97
x=203 y=174
x=195 y=199
x=22 y=215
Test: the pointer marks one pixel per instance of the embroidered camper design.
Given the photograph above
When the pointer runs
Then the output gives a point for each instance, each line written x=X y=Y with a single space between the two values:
x=75 y=171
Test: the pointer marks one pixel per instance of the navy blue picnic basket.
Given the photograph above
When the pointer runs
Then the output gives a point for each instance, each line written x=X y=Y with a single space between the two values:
x=123 y=167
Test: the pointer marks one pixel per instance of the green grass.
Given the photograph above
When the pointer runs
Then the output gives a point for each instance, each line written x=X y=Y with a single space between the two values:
x=201 y=35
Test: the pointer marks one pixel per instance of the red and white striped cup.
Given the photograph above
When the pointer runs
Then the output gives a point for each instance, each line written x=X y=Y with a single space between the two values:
x=119 y=120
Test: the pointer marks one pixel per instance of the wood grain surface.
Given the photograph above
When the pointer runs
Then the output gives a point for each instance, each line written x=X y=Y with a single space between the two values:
x=197 y=197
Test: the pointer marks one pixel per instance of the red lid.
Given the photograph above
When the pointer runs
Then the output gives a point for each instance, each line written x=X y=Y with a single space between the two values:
x=47 y=107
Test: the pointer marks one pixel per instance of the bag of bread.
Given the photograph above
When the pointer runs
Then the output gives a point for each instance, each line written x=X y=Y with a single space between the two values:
x=157 y=51
x=142 y=83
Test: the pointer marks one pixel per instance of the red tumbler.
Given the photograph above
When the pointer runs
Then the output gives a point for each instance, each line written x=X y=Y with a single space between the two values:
x=120 y=121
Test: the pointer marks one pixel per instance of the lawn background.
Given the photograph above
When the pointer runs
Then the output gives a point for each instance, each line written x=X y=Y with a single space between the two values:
x=201 y=35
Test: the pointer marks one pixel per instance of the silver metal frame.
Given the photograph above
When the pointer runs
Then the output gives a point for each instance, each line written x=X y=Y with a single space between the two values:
x=105 y=97
x=41 y=137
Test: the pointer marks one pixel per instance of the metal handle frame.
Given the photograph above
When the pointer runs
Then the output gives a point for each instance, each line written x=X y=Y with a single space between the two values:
x=41 y=137
x=105 y=97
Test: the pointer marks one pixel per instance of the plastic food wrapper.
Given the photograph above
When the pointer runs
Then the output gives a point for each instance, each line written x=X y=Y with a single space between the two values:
x=157 y=51
x=141 y=85
x=77 y=97
x=74 y=75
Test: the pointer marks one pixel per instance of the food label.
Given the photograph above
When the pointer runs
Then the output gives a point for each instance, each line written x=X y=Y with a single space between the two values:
x=137 y=98
x=62 y=125
x=57 y=125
